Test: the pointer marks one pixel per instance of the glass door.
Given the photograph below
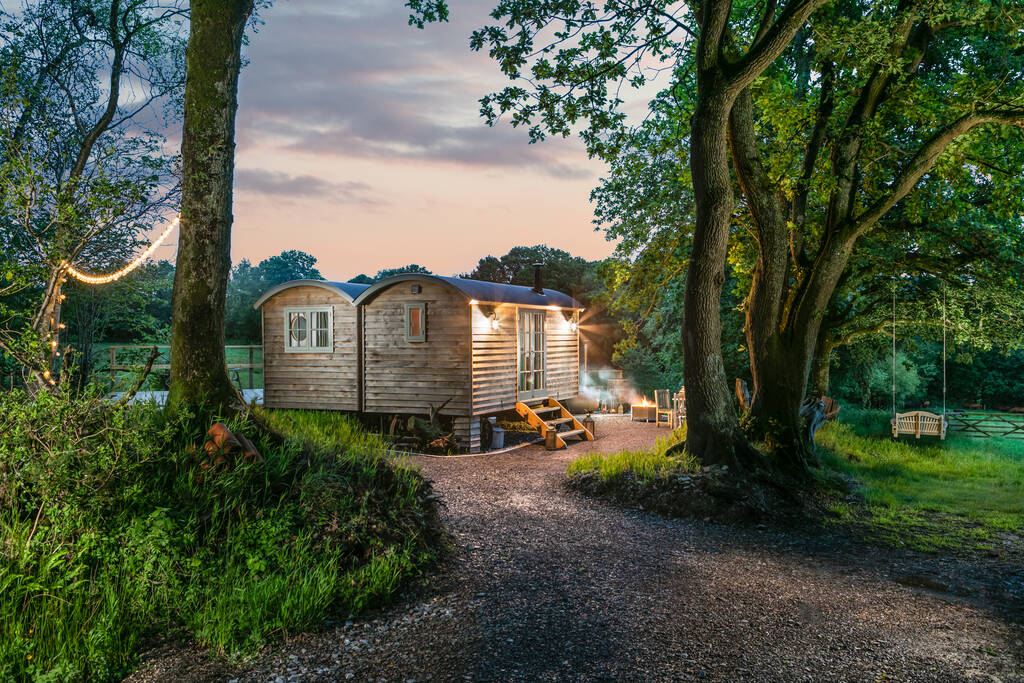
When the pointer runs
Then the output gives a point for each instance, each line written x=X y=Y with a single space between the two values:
x=532 y=345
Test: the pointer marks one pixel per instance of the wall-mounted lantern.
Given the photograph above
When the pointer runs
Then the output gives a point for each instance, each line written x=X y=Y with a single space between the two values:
x=488 y=312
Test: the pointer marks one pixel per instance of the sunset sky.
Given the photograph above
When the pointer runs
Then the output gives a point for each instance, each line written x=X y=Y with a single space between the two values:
x=359 y=141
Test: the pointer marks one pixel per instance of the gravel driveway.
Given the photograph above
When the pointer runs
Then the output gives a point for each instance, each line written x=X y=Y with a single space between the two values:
x=545 y=585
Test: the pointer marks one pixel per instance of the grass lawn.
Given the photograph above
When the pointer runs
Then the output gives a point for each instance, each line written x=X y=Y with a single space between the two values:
x=963 y=495
x=959 y=494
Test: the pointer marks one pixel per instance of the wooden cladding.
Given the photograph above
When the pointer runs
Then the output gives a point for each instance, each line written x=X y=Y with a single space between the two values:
x=321 y=380
x=401 y=372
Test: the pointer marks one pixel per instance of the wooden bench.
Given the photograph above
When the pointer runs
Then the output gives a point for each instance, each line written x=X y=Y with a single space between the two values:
x=918 y=422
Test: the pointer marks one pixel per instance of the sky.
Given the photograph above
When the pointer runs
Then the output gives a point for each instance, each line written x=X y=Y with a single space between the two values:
x=359 y=141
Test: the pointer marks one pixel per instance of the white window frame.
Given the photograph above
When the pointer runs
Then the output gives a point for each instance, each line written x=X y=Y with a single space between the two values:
x=422 y=336
x=309 y=311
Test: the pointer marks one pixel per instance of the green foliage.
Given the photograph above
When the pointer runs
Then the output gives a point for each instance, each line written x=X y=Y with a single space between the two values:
x=650 y=351
x=644 y=464
x=992 y=378
x=134 y=309
x=561 y=270
x=82 y=178
x=391 y=272
x=112 y=532
x=867 y=379
x=861 y=374
x=959 y=494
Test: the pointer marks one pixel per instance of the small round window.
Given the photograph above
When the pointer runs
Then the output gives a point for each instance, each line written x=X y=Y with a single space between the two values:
x=299 y=329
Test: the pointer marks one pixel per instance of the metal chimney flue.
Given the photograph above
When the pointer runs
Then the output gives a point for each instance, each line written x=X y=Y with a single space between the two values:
x=537 y=284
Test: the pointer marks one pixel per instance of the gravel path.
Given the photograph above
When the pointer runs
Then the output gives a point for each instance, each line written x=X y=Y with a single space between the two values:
x=546 y=585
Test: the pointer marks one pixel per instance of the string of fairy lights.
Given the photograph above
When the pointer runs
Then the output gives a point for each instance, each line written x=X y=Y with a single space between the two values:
x=117 y=275
x=88 y=279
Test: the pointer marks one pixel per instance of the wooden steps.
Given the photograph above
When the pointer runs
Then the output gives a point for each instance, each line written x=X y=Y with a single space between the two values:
x=545 y=425
x=541 y=410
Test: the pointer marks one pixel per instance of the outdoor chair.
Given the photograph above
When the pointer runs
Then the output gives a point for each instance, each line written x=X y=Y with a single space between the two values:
x=831 y=407
x=679 y=408
x=663 y=403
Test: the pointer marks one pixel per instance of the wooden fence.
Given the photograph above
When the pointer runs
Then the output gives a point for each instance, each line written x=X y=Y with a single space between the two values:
x=140 y=353
x=985 y=425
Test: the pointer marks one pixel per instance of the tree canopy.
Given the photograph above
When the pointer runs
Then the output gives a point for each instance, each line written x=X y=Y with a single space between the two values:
x=83 y=175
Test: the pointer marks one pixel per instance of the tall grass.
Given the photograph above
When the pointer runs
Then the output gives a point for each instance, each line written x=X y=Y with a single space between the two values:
x=644 y=464
x=113 y=532
x=955 y=494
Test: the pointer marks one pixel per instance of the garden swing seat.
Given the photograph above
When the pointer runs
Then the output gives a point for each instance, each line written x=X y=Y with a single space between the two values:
x=918 y=423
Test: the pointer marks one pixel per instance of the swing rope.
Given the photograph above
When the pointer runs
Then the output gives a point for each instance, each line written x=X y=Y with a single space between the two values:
x=894 y=346
x=944 y=353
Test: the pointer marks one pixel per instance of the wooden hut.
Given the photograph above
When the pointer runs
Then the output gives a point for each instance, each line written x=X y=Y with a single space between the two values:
x=412 y=343
x=311 y=345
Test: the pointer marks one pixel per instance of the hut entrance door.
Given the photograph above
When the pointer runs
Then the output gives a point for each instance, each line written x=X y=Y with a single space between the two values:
x=532 y=348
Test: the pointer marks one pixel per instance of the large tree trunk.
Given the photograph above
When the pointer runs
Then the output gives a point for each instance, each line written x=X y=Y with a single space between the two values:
x=774 y=416
x=712 y=432
x=198 y=365
x=822 y=366
x=782 y=376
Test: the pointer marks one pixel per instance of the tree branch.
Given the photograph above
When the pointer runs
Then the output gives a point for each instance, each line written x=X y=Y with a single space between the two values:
x=130 y=394
x=762 y=53
x=924 y=159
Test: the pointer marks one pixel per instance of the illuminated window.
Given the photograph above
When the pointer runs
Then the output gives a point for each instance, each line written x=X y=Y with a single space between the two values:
x=415 y=322
x=309 y=330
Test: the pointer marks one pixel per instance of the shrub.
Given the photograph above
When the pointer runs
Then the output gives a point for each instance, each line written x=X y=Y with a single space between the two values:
x=112 y=532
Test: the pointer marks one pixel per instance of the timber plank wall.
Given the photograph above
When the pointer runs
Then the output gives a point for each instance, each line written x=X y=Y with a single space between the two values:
x=411 y=377
x=494 y=360
x=563 y=357
x=319 y=381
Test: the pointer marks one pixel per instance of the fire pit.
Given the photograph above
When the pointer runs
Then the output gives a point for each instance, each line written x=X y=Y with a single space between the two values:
x=645 y=411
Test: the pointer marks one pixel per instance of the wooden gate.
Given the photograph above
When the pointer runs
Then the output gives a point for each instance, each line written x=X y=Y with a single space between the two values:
x=985 y=425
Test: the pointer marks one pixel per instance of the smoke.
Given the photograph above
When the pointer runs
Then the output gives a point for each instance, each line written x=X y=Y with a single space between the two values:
x=608 y=391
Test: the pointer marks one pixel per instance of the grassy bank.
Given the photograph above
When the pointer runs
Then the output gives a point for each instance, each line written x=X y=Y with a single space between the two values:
x=642 y=465
x=114 y=530
x=960 y=494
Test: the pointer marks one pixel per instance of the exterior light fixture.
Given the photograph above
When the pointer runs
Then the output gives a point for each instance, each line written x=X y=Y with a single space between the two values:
x=494 y=322
x=573 y=326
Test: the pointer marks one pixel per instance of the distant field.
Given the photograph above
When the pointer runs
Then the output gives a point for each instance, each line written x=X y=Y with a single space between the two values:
x=158 y=379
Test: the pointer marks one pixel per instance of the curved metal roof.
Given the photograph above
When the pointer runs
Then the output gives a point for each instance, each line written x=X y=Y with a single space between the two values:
x=347 y=290
x=480 y=291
